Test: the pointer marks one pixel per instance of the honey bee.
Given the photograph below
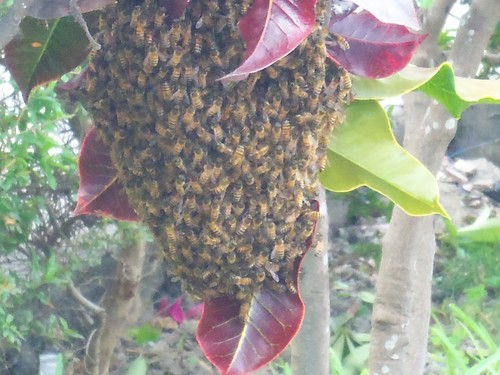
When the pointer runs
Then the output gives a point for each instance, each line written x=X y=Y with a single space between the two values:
x=179 y=164
x=186 y=34
x=279 y=249
x=215 y=107
x=261 y=169
x=342 y=42
x=263 y=207
x=202 y=79
x=237 y=192
x=259 y=153
x=205 y=205
x=322 y=162
x=203 y=135
x=178 y=146
x=188 y=219
x=215 y=57
x=179 y=95
x=141 y=80
x=238 y=156
x=260 y=260
x=276 y=132
x=238 y=280
x=176 y=57
x=346 y=79
x=198 y=155
x=272 y=72
x=190 y=73
x=244 y=311
x=272 y=191
x=217 y=168
x=159 y=16
x=298 y=91
x=196 y=99
x=190 y=201
x=205 y=174
x=175 y=33
x=270 y=228
x=259 y=131
x=290 y=285
x=215 y=210
x=176 y=73
x=188 y=116
x=179 y=184
x=221 y=188
x=214 y=227
x=170 y=232
x=231 y=258
x=249 y=178
x=198 y=43
x=165 y=91
x=243 y=225
x=192 y=238
x=173 y=117
x=139 y=32
x=231 y=222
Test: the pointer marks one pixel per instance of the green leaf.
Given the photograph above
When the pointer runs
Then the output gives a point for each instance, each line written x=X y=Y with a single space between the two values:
x=45 y=50
x=145 y=334
x=59 y=365
x=455 y=93
x=483 y=230
x=138 y=366
x=363 y=152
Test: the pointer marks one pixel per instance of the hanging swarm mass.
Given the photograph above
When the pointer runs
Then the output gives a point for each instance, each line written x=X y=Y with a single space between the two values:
x=222 y=174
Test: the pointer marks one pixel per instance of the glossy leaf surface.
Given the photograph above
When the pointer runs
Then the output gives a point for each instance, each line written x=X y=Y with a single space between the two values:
x=100 y=192
x=271 y=30
x=454 y=93
x=376 y=49
x=44 y=51
x=363 y=152
x=399 y=12
x=236 y=348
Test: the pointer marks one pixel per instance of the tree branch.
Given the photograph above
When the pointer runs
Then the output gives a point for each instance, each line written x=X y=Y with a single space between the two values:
x=401 y=313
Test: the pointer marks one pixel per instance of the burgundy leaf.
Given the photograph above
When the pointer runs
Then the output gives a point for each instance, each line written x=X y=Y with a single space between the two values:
x=237 y=348
x=271 y=30
x=43 y=51
x=100 y=192
x=274 y=319
x=376 y=49
x=175 y=8
x=398 y=12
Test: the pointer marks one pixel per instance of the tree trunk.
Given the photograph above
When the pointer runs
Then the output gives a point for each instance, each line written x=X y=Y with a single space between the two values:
x=401 y=312
x=311 y=347
x=119 y=300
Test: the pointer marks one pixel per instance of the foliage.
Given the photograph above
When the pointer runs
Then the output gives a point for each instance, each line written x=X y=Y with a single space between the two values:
x=42 y=248
x=462 y=342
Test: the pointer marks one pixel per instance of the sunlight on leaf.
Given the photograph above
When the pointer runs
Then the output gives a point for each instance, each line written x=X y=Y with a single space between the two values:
x=363 y=152
x=440 y=83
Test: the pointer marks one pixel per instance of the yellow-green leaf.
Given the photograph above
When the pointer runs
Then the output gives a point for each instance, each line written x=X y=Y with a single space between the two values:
x=440 y=83
x=364 y=152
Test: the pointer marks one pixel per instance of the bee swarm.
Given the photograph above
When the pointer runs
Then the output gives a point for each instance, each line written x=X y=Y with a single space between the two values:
x=223 y=174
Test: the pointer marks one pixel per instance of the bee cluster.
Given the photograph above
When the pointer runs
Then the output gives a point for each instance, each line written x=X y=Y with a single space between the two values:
x=223 y=174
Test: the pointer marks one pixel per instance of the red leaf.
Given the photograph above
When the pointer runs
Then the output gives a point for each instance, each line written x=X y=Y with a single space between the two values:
x=100 y=192
x=398 y=12
x=237 y=348
x=376 y=49
x=274 y=319
x=176 y=312
x=271 y=30
x=175 y=8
